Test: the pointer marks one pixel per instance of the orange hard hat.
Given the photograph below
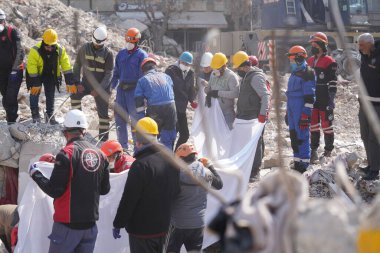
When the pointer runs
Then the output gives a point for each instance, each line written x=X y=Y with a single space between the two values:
x=48 y=157
x=296 y=51
x=253 y=59
x=319 y=36
x=133 y=35
x=146 y=60
x=110 y=147
x=185 y=149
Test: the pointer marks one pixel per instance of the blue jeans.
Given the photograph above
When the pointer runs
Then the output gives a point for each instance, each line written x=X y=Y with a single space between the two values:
x=66 y=240
x=125 y=99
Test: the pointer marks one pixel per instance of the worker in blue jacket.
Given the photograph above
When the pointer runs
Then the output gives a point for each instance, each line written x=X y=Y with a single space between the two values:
x=157 y=89
x=126 y=73
x=301 y=97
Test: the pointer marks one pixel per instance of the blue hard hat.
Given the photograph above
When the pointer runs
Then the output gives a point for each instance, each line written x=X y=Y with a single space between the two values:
x=186 y=57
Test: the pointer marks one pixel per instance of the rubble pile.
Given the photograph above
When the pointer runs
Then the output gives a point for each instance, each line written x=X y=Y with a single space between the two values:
x=32 y=17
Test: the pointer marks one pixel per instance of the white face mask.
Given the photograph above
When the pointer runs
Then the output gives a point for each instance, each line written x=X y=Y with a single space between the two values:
x=130 y=46
x=1 y=28
x=184 y=67
x=216 y=72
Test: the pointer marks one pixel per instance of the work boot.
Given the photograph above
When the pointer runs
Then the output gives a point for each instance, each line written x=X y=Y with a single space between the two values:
x=371 y=175
x=326 y=153
x=314 y=156
x=36 y=118
x=300 y=167
x=52 y=121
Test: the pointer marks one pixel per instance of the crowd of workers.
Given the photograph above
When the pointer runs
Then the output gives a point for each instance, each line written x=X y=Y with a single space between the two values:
x=162 y=208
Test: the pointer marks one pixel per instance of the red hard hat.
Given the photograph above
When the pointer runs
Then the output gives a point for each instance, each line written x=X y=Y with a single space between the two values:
x=296 y=51
x=48 y=157
x=146 y=60
x=253 y=59
x=110 y=147
x=319 y=36
x=133 y=35
x=185 y=149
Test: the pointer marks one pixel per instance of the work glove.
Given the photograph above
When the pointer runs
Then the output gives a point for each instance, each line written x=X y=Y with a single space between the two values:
x=35 y=90
x=116 y=233
x=194 y=105
x=206 y=162
x=262 y=118
x=213 y=93
x=304 y=121
x=71 y=88
x=286 y=119
x=14 y=76
x=33 y=169
x=80 y=88
x=208 y=101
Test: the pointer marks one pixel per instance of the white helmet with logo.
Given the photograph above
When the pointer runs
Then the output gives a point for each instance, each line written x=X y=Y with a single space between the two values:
x=75 y=119
x=206 y=60
x=99 y=35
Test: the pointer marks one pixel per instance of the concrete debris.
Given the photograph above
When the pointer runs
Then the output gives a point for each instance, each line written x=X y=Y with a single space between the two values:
x=312 y=222
x=8 y=148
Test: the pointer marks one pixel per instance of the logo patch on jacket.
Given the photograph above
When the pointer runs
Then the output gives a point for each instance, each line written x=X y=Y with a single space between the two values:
x=90 y=160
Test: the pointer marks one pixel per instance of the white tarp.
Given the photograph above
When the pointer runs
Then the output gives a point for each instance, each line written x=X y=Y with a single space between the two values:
x=36 y=208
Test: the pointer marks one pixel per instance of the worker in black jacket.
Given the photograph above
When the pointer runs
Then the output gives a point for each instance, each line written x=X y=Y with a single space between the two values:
x=78 y=179
x=370 y=73
x=11 y=67
x=184 y=93
x=152 y=184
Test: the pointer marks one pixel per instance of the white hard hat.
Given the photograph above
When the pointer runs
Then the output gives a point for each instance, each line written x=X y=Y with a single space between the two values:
x=75 y=119
x=206 y=59
x=2 y=15
x=99 y=35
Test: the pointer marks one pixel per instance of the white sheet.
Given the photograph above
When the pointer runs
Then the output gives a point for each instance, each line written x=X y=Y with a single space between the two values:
x=231 y=151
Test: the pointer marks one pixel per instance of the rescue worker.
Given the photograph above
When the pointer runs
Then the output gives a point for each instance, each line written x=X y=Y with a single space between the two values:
x=184 y=92
x=254 y=99
x=205 y=66
x=223 y=85
x=323 y=111
x=79 y=177
x=8 y=220
x=11 y=67
x=189 y=207
x=301 y=97
x=45 y=61
x=370 y=73
x=118 y=160
x=95 y=62
x=156 y=88
x=126 y=73
x=152 y=184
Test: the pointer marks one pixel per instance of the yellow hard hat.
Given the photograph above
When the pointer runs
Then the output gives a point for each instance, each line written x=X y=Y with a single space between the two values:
x=238 y=58
x=368 y=241
x=147 y=125
x=218 y=60
x=50 y=37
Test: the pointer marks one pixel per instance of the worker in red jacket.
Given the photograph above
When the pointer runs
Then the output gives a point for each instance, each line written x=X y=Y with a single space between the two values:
x=117 y=158
x=322 y=114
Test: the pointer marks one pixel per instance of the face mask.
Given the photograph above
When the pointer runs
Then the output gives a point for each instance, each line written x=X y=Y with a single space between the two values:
x=130 y=46
x=1 y=28
x=216 y=72
x=297 y=67
x=241 y=73
x=314 y=50
x=184 y=67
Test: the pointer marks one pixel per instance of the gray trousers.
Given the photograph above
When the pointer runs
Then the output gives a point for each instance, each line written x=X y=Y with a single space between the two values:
x=66 y=240
x=371 y=145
